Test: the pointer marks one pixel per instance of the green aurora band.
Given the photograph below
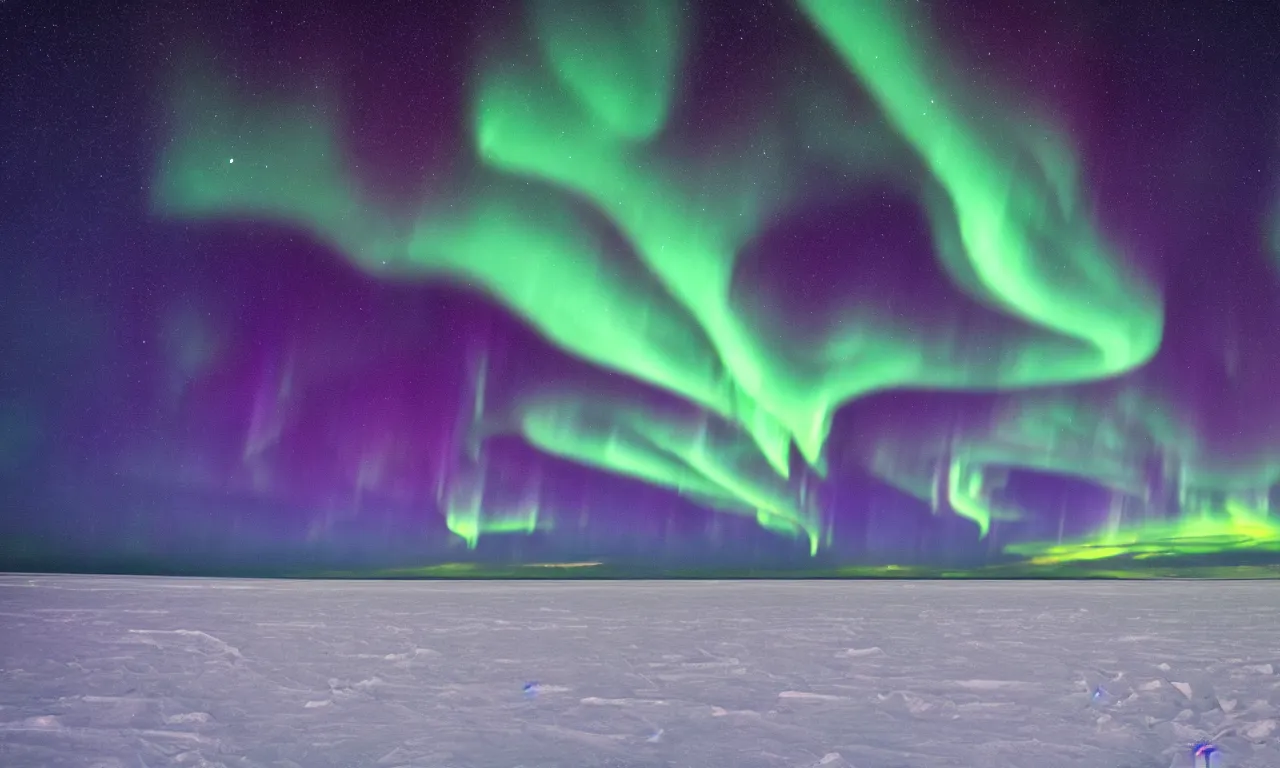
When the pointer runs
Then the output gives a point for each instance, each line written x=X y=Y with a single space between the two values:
x=581 y=207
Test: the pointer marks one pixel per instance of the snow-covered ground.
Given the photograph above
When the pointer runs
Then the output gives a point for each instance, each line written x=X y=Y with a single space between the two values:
x=134 y=672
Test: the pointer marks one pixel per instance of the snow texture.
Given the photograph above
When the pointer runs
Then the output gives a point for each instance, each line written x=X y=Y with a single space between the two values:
x=114 y=672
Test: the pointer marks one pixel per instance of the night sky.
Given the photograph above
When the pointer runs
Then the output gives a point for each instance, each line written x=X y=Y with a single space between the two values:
x=797 y=285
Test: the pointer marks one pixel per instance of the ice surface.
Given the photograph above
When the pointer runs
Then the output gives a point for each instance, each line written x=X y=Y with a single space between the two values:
x=140 y=673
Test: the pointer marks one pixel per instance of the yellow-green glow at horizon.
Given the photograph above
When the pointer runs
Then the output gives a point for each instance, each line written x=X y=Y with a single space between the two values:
x=1236 y=528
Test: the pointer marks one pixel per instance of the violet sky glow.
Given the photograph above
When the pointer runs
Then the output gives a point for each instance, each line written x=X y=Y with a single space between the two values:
x=812 y=284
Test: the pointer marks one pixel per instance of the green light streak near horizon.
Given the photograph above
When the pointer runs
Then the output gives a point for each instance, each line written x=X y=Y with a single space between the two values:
x=964 y=488
x=686 y=456
x=1235 y=527
x=1212 y=505
x=573 y=144
x=468 y=514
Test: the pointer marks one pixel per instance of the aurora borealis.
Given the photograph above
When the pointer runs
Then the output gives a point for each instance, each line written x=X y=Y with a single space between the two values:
x=802 y=284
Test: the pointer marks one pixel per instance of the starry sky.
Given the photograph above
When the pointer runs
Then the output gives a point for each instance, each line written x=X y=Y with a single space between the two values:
x=794 y=285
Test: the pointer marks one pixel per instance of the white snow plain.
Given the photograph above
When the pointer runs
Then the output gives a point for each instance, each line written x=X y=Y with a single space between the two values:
x=123 y=672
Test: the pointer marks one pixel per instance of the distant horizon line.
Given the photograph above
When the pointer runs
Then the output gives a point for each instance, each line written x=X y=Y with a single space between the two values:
x=597 y=570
